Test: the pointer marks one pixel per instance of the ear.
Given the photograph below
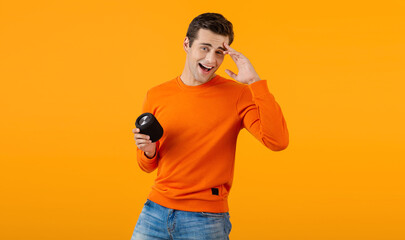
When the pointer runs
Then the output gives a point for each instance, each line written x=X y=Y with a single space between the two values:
x=186 y=44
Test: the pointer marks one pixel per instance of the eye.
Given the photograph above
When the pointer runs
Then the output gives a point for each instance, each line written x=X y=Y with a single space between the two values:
x=220 y=53
x=204 y=48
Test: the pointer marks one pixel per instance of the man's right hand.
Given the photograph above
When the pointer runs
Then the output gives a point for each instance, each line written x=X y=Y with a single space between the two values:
x=144 y=143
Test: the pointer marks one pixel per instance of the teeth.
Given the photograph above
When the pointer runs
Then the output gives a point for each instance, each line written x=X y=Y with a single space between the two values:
x=207 y=66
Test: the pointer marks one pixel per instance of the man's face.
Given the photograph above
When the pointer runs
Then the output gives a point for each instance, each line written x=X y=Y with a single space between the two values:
x=205 y=55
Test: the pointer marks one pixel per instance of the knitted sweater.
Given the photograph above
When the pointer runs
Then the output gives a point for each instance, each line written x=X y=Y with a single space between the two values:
x=196 y=154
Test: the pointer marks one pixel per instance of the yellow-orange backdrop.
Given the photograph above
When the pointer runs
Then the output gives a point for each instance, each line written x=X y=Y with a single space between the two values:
x=74 y=75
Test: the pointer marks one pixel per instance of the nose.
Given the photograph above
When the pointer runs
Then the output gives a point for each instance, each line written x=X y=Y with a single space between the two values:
x=210 y=57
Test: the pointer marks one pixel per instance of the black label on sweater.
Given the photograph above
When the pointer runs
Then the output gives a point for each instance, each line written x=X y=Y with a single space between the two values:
x=215 y=191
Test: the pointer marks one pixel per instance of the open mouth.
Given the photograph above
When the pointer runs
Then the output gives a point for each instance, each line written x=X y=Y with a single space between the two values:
x=205 y=68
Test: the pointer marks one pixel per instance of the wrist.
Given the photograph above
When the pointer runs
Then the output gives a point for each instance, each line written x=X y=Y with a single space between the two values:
x=150 y=155
x=254 y=79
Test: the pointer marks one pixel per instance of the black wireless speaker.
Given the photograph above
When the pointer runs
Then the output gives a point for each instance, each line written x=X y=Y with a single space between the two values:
x=150 y=126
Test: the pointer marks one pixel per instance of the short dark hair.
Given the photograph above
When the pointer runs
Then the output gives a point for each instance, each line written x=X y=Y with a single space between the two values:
x=214 y=22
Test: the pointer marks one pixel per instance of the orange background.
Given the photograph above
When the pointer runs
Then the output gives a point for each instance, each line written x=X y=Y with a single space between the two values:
x=74 y=75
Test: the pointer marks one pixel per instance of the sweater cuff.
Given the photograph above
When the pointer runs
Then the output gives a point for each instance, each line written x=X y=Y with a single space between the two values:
x=259 y=88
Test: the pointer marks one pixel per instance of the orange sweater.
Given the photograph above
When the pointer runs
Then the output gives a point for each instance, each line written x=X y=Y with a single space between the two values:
x=195 y=157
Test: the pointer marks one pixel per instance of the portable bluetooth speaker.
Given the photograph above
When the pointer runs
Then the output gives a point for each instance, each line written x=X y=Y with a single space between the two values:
x=149 y=125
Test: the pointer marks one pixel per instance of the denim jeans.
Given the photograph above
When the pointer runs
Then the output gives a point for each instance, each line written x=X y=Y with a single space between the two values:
x=160 y=223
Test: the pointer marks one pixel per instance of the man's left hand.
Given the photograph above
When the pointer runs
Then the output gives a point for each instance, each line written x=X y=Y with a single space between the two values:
x=246 y=72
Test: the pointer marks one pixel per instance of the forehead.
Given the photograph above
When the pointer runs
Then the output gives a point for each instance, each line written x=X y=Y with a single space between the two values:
x=207 y=36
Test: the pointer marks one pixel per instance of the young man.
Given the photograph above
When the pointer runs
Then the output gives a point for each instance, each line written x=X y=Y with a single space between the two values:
x=201 y=114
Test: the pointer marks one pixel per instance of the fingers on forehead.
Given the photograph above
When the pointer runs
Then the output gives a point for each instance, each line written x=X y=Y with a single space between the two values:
x=227 y=46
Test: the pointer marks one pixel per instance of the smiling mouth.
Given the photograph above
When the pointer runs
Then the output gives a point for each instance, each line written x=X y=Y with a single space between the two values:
x=205 y=68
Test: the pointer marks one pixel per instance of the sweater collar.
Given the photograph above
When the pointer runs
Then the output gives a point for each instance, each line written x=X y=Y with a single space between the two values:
x=198 y=87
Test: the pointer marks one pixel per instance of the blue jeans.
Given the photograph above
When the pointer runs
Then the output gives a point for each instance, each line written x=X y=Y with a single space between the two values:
x=160 y=223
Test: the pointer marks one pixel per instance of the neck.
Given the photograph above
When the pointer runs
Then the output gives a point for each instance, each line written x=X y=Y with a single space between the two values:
x=188 y=79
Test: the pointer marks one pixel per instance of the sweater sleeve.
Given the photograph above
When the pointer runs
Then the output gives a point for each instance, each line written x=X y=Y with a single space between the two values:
x=262 y=116
x=148 y=164
x=145 y=163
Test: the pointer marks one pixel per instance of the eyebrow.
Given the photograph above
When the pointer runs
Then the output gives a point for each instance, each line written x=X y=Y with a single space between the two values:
x=209 y=44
